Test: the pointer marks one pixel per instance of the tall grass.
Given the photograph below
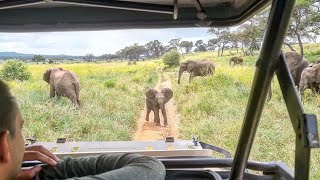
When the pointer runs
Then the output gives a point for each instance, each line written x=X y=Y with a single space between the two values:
x=111 y=97
x=214 y=107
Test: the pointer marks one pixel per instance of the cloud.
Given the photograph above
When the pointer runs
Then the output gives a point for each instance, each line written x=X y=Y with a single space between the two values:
x=96 y=42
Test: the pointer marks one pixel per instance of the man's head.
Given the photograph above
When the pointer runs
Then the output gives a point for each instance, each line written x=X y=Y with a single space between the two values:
x=11 y=138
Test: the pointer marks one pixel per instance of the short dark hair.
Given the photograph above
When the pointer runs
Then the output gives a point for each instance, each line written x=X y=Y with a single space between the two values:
x=8 y=110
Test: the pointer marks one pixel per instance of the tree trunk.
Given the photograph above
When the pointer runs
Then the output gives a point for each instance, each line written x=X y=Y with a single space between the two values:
x=222 y=50
x=300 y=44
x=181 y=52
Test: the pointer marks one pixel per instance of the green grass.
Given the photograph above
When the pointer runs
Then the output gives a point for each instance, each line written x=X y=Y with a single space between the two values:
x=214 y=107
x=111 y=95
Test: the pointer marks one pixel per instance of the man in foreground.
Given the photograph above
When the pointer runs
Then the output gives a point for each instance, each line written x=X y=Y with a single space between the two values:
x=106 y=166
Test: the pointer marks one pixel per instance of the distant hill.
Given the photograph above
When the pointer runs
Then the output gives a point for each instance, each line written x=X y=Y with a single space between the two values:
x=6 y=55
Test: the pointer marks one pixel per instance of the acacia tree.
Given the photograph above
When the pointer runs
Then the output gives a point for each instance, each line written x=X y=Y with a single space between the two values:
x=250 y=34
x=304 y=24
x=174 y=44
x=222 y=38
x=155 y=48
x=212 y=44
x=38 y=58
x=134 y=51
x=187 y=46
x=88 y=57
x=200 y=46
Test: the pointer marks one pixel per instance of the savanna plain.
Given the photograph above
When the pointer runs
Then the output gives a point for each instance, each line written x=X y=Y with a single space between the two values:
x=213 y=107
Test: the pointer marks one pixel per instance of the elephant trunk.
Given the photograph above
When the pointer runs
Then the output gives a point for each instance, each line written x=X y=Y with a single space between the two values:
x=180 y=73
x=301 y=89
x=164 y=113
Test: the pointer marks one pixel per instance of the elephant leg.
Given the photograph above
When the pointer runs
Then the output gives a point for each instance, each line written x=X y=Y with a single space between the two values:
x=313 y=90
x=52 y=91
x=164 y=114
x=269 y=94
x=190 y=77
x=148 y=112
x=77 y=93
x=73 y=97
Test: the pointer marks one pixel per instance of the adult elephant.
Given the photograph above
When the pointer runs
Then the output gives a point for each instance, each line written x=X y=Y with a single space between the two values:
x=196 y=68
x=235 y=61
x=310 y=78
x=155 y=101
x=63 y=83
x=296 y=64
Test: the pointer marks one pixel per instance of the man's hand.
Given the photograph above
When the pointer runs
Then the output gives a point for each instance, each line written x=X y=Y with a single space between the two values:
x=41 y=154
x=36 y=153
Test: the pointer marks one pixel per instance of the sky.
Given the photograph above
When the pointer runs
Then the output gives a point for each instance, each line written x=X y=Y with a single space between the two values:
x=96 y=42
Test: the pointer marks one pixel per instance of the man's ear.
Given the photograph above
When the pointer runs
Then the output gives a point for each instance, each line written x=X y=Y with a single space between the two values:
x=4 y=147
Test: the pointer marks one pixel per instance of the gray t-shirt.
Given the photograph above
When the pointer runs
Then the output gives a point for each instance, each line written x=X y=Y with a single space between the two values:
x=106 y=166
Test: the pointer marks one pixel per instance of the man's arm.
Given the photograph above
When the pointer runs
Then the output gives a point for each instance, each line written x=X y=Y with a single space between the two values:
x=36 y=153
x=106 y=166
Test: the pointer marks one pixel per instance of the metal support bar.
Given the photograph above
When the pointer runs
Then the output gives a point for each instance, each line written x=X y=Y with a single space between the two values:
x=113 y=4
x=18 y=3
x=269 y=57
x=226 y=153
x=305 y=126
x=125 y=5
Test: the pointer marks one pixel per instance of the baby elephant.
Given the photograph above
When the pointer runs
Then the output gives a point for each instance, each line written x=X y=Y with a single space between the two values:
x=236 y=60
x=310 y=78
x=63 y=83
x=156 y=100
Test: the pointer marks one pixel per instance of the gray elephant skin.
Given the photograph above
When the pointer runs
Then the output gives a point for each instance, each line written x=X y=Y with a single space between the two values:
x=155 y=101
x=196 y=68
x=296 y=64
x=310 y=78
x=63 y=83
x=236 y=61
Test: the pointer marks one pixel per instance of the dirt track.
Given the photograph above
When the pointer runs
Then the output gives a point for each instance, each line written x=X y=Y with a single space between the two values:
x=148 y=130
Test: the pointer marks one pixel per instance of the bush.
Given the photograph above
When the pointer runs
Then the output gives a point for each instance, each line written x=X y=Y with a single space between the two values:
x=51 y=61
x=109 y=84
x=15 y=70
x=171 y=59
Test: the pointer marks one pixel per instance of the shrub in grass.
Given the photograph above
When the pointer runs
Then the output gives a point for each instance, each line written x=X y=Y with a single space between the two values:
x=172 y=59
x=109 y=84
x=15 y=70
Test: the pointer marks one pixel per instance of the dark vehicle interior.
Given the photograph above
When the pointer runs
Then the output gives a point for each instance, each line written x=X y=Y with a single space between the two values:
x=66 y=15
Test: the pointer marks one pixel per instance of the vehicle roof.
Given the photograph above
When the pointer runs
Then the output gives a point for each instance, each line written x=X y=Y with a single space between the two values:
x=66 y=15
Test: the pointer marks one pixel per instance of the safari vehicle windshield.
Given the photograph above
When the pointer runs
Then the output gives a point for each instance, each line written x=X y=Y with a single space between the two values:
x=130 y=89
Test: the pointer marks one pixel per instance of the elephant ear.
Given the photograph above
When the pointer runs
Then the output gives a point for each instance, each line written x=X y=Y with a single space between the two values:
x=191 y=65
x=151 y=95
x=167 y=92
x=46 y=75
